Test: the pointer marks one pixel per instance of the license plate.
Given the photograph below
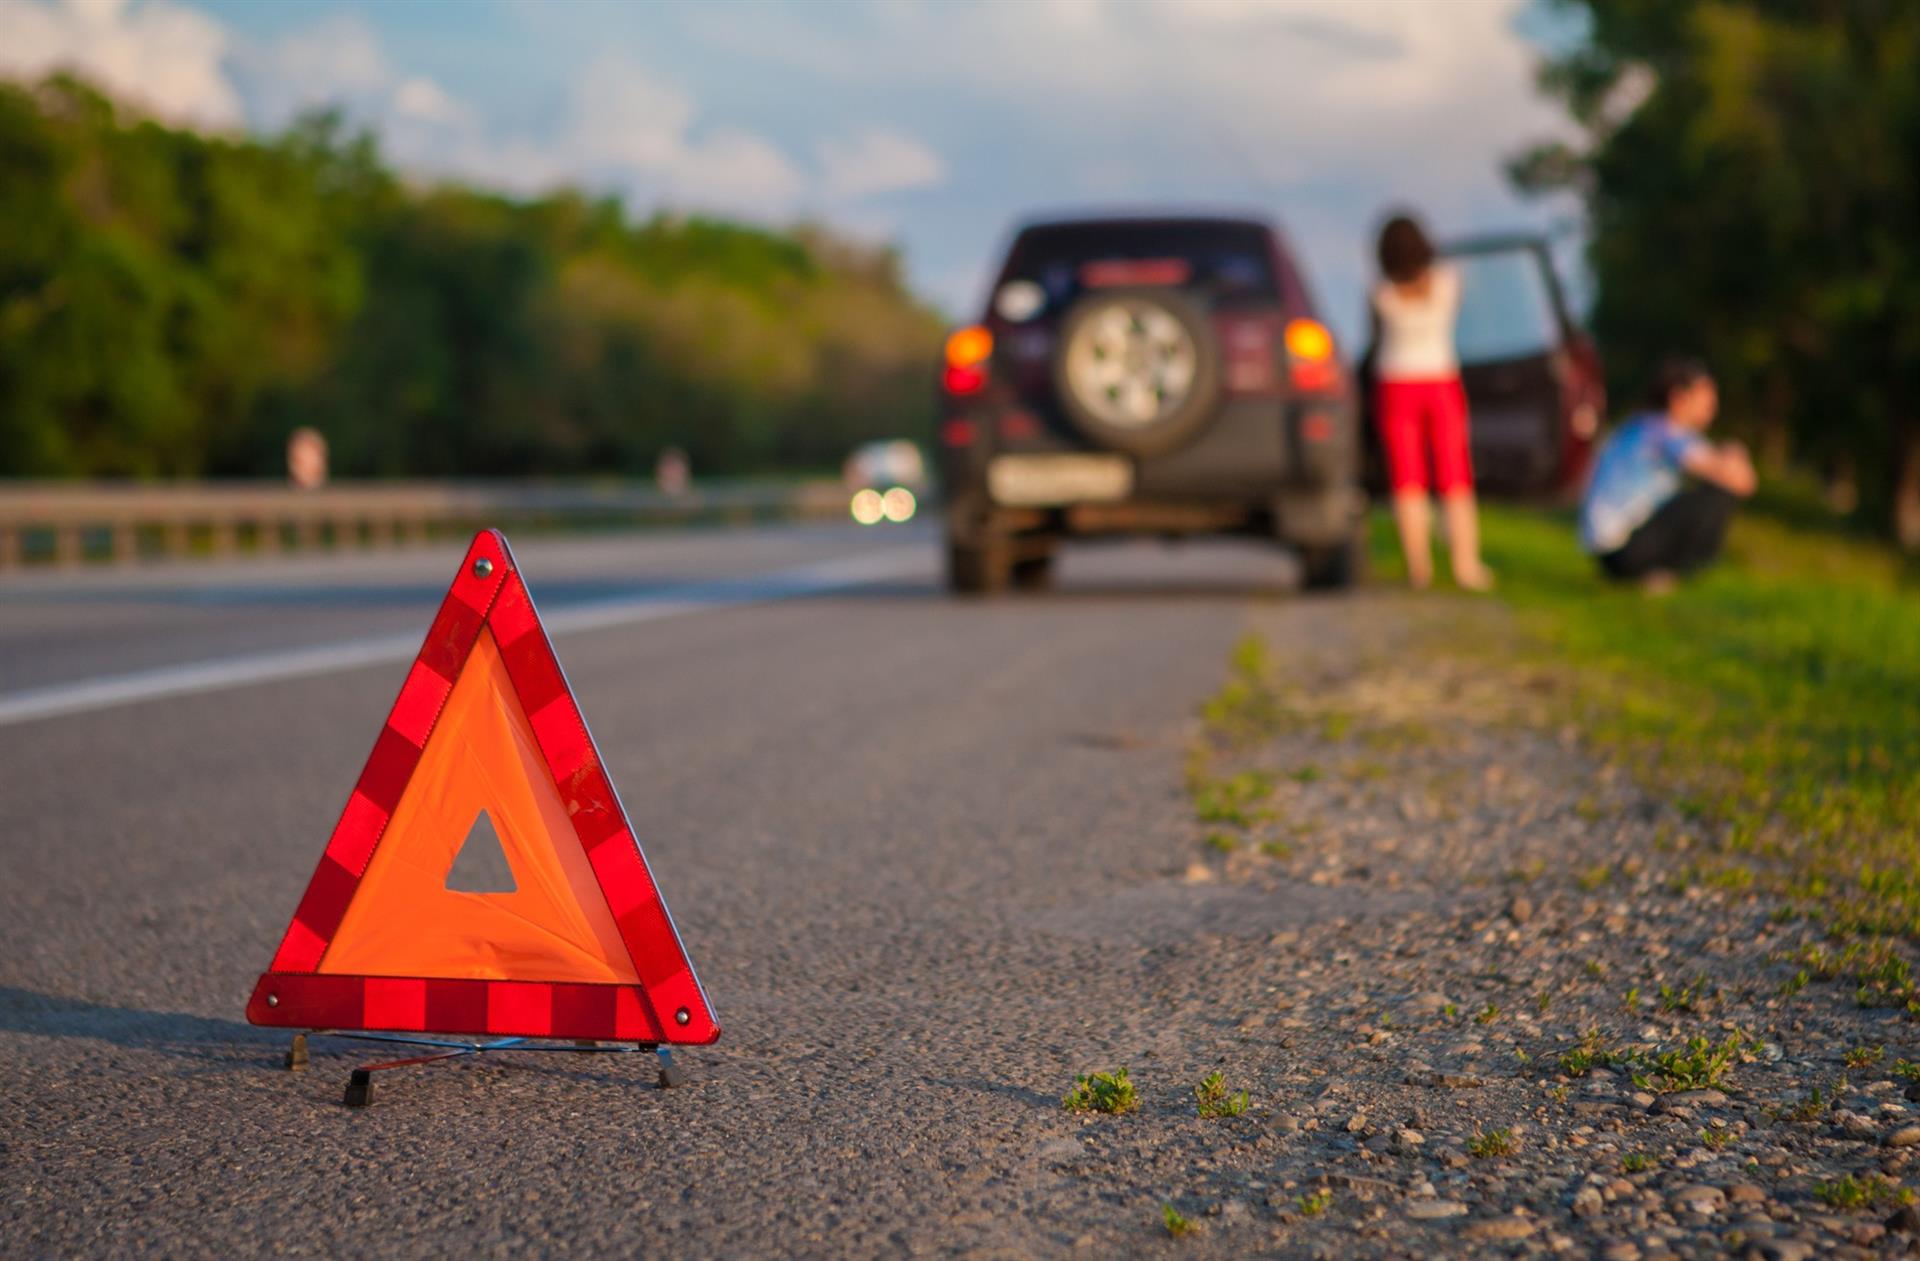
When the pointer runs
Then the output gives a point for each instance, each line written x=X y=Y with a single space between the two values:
x=1042 y=481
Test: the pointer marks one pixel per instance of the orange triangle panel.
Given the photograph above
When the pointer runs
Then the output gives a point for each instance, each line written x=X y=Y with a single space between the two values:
x=581 y=947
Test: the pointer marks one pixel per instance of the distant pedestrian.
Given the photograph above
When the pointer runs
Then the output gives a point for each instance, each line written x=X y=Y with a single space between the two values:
x=1420 y=406
x=1642 y=519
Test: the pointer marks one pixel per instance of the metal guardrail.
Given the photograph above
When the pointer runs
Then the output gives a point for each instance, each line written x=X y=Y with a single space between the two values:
x=71 y=523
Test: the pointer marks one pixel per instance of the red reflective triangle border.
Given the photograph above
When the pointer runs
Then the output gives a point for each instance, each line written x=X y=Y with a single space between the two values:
x=667 y=1006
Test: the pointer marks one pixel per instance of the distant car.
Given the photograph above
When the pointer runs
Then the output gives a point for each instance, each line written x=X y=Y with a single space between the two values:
x=1165 y=375
x=1535 y=393
x=886 y=480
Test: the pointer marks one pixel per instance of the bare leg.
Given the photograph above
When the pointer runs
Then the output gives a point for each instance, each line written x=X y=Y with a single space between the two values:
x=1412 y=515
x=1463 y=542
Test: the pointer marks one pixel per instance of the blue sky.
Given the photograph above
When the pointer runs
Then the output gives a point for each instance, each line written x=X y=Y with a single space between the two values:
x=928 y=123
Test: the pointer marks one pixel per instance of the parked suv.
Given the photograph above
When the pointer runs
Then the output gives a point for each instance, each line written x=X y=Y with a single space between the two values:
x=1151 y=376
x=1535 y=394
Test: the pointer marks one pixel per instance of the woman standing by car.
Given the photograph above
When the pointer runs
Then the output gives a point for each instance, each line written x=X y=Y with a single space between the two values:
x=1420 y=406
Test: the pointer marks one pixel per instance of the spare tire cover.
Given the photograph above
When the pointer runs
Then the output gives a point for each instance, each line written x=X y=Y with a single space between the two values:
x=1137 y=370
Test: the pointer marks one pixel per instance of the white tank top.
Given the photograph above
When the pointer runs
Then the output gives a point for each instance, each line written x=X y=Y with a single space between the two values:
x=1416 y=333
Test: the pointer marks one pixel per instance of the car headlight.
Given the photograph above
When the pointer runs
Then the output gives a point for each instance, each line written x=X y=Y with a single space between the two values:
x=868 y=507
x=898 y=504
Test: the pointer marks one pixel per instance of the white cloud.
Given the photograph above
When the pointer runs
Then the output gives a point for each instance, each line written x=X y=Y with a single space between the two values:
x=160 y=57
x=1325 y=111
x=337 y=61
x=427 y=101
x=877 y=161
x=625 y=130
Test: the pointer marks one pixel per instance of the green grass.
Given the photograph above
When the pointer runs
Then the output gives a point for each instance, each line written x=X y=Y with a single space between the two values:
x=1315 y=1203
x=1638 y=1162
x=1774 y=696
x=1102 y=1092
x=1176 y=1225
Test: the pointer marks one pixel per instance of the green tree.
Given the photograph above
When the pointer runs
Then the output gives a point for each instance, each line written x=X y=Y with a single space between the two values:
x=1751 y=170
x=173 y=304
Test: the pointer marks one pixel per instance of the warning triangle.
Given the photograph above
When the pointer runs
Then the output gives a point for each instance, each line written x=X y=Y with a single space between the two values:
x=483 y=878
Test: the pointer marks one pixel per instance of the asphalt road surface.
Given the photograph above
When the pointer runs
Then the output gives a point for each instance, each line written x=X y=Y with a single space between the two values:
x=921 y=852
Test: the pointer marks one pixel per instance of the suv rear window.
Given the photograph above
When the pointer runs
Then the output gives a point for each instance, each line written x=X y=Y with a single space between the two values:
x=1227 y=262
x=1506 y=308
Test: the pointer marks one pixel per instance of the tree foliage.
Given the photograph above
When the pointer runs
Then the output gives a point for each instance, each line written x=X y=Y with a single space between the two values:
x=1752 y=174
x=174 y=304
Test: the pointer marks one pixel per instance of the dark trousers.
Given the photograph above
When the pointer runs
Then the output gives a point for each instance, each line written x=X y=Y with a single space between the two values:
x=1681 y=537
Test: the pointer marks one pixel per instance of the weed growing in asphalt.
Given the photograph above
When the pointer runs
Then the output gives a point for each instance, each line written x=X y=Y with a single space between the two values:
x=1450 y=1011
x=1248 y=707
x=1907 y=1069
x=1884 y=978
x=1210 y=1097
x=1110 y=1092
x=1687 y=999
x=1698 y=1065
x=1488 y=1014
x=1638 y=1162
x=1528 y=873
x=1176 y=1225
x=1816 y=1105
x=1849 y=1192
x=1716 y=1139
x=1490 y=1144
x=1315 y=1203
x=1864 y=1056
x=1233 y=799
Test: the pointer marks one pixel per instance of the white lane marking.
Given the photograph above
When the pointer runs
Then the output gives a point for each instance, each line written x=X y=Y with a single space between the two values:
x=108 y=691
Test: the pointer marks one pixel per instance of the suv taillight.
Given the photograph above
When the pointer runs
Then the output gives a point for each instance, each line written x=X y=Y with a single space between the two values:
x=1310 y=362
x=968 y=350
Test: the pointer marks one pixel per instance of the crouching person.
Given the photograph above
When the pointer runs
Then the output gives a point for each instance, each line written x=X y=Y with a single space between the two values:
x=1661 y=495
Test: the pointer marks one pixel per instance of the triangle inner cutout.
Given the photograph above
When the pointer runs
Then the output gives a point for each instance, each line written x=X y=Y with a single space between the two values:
x=481 y=866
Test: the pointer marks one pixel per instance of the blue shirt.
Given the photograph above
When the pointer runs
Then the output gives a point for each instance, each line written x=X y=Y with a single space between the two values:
x=1641 y=466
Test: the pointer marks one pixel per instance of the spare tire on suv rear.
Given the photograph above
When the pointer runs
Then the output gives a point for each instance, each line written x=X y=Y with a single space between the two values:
x=1137 y=370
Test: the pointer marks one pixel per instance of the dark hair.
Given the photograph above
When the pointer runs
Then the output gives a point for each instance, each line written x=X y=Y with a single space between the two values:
x=1675 y=373
x=1405 y=251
